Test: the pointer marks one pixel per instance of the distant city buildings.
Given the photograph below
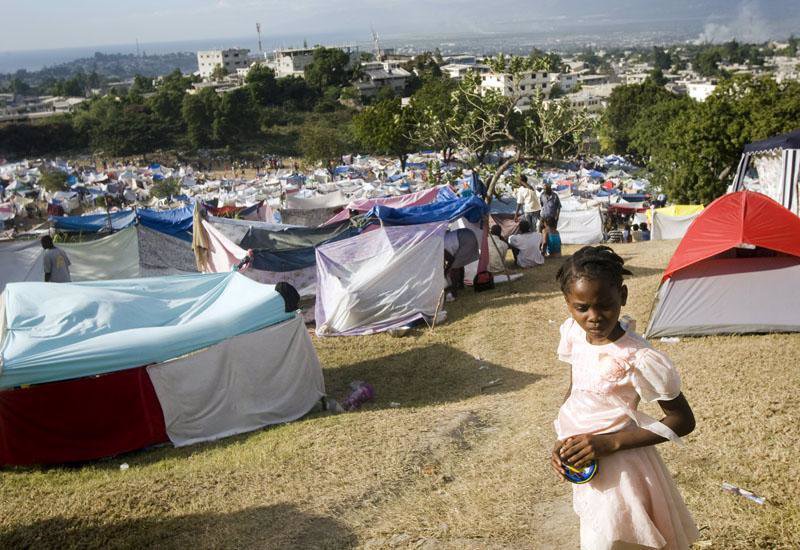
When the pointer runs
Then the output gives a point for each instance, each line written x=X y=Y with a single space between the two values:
x=528 y=84
x=382 y=74
x=231 y=60
x=293 y=61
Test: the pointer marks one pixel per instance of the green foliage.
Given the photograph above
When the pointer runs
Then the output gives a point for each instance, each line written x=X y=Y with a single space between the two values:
x=235 y=120
x=329 y=67
x=384 y=129
x=535 y=62
x=323 y=143
x=657 y=77
x=428 y=109
x=263 y=86
x=142 y=85
x=625 y=106
x=219 y=73
x=695 y=154
x=661 y=59
x=166 y=188
x=53 y=181
x=705 y=62
x=40 y=138
x=198 y=112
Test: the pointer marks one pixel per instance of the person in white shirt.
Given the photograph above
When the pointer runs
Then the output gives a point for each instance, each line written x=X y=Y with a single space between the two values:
x=498 y=247
x=526 y=246
x=527 y=202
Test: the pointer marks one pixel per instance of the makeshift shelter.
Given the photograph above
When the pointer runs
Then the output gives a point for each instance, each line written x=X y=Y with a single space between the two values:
x=224 y=357
x=776 y=163
x=380 y=279
x=672 y=222
x=94 y=223
x=113 y=257
x=581 y=226
x=735 y=271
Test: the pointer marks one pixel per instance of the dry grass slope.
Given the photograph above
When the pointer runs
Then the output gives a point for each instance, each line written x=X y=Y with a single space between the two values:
x=460 y=463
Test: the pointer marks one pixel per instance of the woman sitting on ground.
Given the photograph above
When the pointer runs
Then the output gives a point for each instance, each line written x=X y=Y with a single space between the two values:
x=551 y=239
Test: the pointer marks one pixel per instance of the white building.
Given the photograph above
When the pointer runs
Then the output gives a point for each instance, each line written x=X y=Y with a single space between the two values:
x=231 y=59
x=293 y=61
x=457 y=71
x=379 y=75
x=528 y=84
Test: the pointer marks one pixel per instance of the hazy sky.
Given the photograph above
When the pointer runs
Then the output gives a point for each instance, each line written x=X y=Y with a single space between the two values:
x=44 y=24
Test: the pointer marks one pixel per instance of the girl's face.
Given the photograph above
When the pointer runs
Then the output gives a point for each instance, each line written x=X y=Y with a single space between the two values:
x=595 y=305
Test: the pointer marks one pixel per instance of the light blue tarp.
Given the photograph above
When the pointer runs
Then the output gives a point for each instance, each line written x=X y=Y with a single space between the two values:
x=176 y=222
x=94 y=223
x=64 y=331
x=472 y=208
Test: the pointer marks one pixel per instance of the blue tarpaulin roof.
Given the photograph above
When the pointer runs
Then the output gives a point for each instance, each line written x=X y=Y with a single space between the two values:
x=472 y=208
x=504 y=205
x=176 y=222
x=73 y=330
x=94 y=223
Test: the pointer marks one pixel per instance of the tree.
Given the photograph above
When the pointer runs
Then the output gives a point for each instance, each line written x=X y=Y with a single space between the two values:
x=219 y=73
x=321 y=143
x=165 y=188
x=263 y=86
x=54 y=181
x=657 y=77
x=141 y=85
x=329 y=67
x=235 y=119
x=706 y=61
x=625 y=105
x=695 y=159
x=198 y=112
x=384 y=129
x=661 y=59
x=483 y=121
x=428 y=109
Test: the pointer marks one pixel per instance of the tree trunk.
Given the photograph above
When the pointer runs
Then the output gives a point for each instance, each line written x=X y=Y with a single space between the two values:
x=505 y=165
x=403 y=159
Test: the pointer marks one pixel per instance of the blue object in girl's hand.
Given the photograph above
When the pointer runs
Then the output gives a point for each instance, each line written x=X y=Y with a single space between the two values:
x=580 y=475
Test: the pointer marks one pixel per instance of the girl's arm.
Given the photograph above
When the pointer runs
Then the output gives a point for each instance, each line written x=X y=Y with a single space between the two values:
x=581 y=449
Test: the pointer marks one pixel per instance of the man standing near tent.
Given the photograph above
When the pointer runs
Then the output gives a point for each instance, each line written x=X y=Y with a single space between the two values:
x=55 y=262
x=551 y=204
x=528 y=202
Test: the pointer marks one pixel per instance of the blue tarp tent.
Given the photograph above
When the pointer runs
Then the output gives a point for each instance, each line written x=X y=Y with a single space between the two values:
x=471 y=208
x=94 y=223
x=504 y=205
x=73 y=330
x=176 y=222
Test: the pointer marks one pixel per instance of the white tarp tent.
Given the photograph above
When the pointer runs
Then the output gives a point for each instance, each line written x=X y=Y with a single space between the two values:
x=667 y=227
x=380 y=279
x=113 y=257
x=244 y=383
x=581 y=226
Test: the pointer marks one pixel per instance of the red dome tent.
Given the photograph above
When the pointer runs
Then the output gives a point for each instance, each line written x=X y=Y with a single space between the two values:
x=735 y=271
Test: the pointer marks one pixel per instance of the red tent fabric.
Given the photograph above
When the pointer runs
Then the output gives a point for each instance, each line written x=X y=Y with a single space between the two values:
x=79 y=420
x=738 y=218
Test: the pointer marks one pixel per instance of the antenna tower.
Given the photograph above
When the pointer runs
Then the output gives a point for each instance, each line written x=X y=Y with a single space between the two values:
x=258 y=30
x=376 y=45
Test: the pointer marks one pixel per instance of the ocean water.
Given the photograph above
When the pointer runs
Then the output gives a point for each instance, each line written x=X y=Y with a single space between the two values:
x=33 y=60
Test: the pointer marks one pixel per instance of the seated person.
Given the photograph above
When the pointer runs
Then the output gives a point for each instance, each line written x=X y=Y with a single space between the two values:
x=626 y=234
x=645 y=231
x=460 y=249
x=498 y=247
x=526 y=246
x=614 y=235
x=636 y=233
x=551 y=238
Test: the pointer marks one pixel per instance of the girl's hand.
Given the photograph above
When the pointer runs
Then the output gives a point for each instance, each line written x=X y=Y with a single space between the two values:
x=581 y=449
x=555 y=461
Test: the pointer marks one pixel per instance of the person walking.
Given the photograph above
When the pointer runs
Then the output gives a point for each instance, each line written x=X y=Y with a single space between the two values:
x=55 y=262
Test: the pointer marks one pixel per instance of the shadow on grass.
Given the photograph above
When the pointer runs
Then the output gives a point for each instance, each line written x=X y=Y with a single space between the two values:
x=276 y=526
x=427 y=375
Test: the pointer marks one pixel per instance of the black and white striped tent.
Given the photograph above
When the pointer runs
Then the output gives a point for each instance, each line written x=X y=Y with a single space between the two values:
x=777 y=161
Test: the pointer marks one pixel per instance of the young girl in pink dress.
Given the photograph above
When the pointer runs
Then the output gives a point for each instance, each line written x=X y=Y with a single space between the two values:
x=632 y=501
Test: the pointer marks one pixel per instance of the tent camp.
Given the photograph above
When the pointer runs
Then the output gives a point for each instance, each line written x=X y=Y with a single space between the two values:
x=772 y=167
x=735 y=271
x=228 y=358
x=672 y=222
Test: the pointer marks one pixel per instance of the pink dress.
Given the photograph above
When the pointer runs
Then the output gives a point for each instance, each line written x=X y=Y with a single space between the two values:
x=632 y=502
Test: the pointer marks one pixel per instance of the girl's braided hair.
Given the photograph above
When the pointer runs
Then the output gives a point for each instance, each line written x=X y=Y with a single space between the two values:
x=592 y=262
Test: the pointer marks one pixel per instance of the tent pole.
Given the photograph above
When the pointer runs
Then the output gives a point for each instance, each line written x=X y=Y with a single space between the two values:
x=438 y=307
